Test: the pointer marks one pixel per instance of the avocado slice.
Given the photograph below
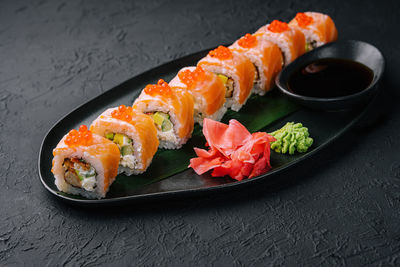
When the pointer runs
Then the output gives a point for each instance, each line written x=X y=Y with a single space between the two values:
x=85 y=174
x=308 y=47
x=223 y=78
x=121 y=140
x=110 y=136
x=166 y=125
x=126 y=150
x=158 y=118
x=80 y=176
x=165 y=115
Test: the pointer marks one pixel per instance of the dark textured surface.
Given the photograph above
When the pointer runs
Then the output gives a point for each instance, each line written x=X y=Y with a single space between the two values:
x=341 y=209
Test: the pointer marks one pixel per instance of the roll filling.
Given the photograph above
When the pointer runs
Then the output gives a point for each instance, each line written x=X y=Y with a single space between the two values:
x=79 y=173
x=125 y=145
x=229 y=85
x=164 y=125
x=310 y=45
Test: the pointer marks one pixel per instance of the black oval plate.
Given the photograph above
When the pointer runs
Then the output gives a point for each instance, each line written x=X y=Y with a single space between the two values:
x=323 y=126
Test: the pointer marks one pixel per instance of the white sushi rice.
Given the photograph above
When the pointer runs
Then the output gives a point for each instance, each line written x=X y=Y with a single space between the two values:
x=129 y=165
x=129 y=161
x=89 y=183
x=168 y=140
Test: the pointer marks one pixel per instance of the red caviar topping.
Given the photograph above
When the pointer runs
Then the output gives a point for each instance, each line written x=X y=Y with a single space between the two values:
x=221 y=52
x=161 y=88
x=278 y=26
x=248 y=41
x=83 y=137
x=83 y=128
x=191 y=77
x=303 y=20
x=123 y=113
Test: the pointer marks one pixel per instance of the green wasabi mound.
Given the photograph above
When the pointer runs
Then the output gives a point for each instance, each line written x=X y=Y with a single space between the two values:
x=291 y=137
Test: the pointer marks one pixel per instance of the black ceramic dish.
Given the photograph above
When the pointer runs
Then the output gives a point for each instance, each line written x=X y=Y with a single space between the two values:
x=324 y=127
x=358 y=51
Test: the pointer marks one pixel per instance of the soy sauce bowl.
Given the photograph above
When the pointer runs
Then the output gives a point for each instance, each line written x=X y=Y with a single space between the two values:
x=358 y=51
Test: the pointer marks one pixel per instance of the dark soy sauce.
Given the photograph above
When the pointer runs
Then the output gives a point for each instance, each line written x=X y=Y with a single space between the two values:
x=330 y=77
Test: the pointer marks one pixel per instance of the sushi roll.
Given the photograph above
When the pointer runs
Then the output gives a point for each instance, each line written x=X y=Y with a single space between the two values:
x=317 y=28
x=236 y=71
x=266 y=58
x=290 y=40
x=85 y=164
x=208 y=91
x=171 y=110
x=133 y=132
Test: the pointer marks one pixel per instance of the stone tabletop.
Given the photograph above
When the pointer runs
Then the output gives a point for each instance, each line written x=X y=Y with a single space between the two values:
x=343 y=208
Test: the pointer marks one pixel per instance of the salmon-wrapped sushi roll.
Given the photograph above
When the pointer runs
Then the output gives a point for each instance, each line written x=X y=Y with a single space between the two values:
x=133 y=132
x=171 y=110
x=290 y=40
x=85 y=164
x=208 y=91
x=237 y=72
x=266 y=58
x=318 y=28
